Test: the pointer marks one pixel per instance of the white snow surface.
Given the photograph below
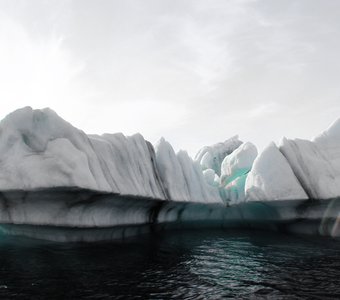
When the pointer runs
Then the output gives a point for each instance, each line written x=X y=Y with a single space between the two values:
x=316 y=163
x=272 y=178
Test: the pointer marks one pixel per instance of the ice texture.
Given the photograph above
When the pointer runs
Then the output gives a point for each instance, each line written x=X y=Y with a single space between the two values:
x=38 y=149
x=235 y=190
x=182 y=178
x=316 y=163
x=53 y=174
x=272 y=178
x=234 y=170
x=211 y=157
x=238 y=163
x=129 y=164
x=81 y=215
x=211 y=177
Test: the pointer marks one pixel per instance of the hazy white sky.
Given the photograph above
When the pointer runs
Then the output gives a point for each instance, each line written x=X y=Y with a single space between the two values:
x=195 y=72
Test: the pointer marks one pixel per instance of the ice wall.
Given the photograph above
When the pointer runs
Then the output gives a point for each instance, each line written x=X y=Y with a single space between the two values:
x=38 y=149
x=83 y=215
x=298 y=169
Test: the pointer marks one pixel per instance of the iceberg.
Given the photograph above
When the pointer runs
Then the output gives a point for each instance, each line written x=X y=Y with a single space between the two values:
x=57 y=182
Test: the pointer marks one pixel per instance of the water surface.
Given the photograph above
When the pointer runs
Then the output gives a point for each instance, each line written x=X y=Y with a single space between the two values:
x=201 y=264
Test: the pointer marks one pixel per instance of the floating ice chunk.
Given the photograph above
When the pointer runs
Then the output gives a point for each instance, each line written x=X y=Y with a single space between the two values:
x=272 y=178
x=238 y=163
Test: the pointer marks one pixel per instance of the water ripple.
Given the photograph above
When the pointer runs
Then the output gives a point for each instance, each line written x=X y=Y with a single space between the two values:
x=173 y=265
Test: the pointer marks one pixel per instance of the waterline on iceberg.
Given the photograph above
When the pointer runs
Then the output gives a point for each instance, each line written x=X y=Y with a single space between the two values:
x=84 y=215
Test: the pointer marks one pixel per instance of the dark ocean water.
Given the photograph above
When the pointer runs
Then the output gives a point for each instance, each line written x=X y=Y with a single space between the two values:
x=173 y=265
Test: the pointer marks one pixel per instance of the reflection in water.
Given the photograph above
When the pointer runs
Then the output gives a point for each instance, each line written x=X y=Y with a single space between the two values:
x=189 y=265
x=330 y=222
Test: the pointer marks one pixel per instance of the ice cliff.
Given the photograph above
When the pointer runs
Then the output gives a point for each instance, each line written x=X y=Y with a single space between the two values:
x=38 y=149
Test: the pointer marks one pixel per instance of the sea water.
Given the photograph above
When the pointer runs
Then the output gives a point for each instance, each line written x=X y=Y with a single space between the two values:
x=175 y=264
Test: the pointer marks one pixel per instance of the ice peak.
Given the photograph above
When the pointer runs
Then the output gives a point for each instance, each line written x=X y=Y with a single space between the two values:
x=330 y=135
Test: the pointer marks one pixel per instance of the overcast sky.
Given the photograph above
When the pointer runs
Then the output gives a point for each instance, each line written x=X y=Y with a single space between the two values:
x=195 y=72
